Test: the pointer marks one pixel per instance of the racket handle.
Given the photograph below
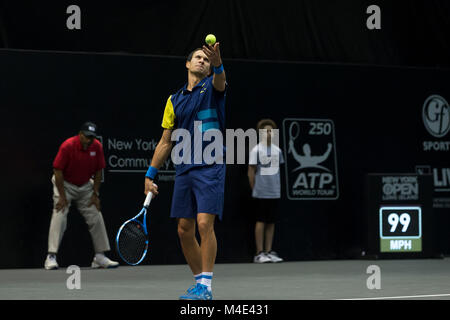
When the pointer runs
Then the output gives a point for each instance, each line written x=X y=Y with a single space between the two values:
x=148 y=199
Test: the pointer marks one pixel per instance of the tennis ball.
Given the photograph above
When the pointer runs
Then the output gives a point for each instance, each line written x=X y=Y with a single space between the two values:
x=210 y=39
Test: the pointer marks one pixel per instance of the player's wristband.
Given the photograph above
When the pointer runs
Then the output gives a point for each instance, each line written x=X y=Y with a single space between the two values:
x=151 y=172
x=218 y=70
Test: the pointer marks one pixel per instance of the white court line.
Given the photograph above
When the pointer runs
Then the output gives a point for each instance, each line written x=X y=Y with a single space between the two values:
x=402 y=297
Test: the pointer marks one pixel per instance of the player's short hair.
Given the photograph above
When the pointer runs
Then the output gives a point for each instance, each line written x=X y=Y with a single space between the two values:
x=266 y=122
x=191 y=54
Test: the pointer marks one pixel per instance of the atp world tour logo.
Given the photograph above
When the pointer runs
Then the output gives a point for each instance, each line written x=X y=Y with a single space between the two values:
x=311 y=165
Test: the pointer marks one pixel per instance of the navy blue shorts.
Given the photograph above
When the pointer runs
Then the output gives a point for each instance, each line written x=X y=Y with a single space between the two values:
x=199 y=190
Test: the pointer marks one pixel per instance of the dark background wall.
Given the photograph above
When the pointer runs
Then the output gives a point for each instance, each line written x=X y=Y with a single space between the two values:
x=46 y=96
x=413 y=32
x=299 y=59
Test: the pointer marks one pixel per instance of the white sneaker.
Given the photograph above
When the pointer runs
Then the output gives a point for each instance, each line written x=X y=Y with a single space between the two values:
x=273 y=256
x=261 y=258
x=103 y=262
x=50 y=262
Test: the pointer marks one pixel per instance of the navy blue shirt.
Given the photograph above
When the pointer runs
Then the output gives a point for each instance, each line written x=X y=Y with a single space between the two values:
x=197 y=112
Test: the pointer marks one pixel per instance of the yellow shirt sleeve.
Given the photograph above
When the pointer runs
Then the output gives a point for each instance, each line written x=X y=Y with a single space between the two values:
x=169 y=116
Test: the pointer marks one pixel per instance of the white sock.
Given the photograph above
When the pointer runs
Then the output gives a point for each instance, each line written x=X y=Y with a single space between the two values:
x=100 y=255
x=198 y=278
x=207 y=279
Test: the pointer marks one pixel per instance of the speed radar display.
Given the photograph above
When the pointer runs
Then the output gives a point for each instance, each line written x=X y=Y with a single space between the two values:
x=400 y=229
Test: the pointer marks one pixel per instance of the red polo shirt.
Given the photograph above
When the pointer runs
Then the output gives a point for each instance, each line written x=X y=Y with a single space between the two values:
x=78 y=165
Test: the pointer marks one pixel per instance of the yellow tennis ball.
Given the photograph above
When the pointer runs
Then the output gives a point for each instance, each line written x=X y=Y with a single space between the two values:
x=210 y=39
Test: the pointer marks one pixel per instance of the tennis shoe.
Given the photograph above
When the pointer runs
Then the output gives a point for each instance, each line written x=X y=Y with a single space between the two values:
x=50 y=262
x=273 y=256
x=261 y=258
x=190 y=293
x=199 y=292
x=103 y=262
x=191 y=288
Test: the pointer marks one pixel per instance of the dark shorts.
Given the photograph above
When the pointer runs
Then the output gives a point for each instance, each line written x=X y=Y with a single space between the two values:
x=266 y=210
x=199 y=190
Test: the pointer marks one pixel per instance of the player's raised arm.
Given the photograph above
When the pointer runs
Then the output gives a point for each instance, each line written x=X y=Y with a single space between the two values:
x=213 y=54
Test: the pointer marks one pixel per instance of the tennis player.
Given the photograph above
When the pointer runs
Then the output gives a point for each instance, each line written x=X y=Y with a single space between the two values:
x=198 y=193
x=78 y=160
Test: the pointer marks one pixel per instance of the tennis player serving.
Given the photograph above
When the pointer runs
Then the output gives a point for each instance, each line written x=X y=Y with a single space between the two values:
x=198 y=193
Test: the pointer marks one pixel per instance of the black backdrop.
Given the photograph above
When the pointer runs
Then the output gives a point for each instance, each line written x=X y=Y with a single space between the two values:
x=45 y=96
x=376 y=110
x=413 y=32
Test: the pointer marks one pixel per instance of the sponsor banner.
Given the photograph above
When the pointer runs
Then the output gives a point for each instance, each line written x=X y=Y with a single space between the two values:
x=133 y=155
x=436 y=119
x=441 y=184
x=310 y=155
x=398 y=188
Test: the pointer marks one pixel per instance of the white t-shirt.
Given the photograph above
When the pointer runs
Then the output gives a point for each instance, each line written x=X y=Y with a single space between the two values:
x=267 y=178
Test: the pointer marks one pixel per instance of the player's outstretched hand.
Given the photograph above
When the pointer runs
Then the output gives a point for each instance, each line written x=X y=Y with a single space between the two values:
x=150 y=187
x=213 y=54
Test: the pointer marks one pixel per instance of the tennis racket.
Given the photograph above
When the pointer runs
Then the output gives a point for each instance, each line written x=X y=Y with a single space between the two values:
x=132 y=237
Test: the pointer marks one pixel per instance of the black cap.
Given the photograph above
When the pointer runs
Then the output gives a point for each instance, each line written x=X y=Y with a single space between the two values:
x=89 y=129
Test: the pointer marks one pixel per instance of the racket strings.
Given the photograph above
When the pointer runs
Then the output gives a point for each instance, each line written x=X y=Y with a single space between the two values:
x=132 y=242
